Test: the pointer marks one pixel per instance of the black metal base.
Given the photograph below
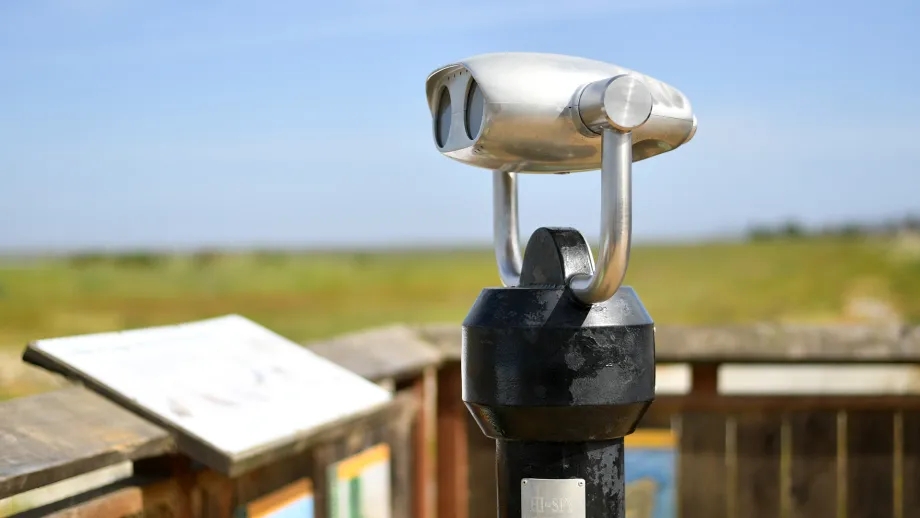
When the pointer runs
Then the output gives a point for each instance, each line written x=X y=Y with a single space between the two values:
x=599 y=463
x=558 y=383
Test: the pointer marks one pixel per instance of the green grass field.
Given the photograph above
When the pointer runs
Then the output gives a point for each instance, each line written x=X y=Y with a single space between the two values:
x=310 y=296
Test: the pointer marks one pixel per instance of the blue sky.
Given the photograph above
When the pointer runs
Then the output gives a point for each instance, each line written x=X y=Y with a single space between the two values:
x=289 y=123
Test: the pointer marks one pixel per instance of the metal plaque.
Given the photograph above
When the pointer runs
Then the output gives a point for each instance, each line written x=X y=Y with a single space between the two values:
x=544 y=498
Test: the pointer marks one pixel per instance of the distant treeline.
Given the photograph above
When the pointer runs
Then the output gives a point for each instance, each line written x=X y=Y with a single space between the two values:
x=154 y=259
x=790 y=229
x=794 y=229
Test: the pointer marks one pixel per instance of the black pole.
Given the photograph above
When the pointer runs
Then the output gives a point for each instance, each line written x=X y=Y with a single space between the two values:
x=599 y=462
x=558 y=384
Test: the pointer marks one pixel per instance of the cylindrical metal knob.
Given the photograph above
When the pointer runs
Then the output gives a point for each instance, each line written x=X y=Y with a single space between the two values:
x=622 y=103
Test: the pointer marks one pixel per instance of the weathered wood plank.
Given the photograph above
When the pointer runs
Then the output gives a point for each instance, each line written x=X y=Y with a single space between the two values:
x=483 y=492
x=446 y=338
x=729 y=404
x=132 y=497
x=813 y=484
x=702 y=474
x=117 y=503
x=758 y=450
x=657 y=418
x=57 y=435
x=759 y=343
x=788 y=343
x=910 y=489
x=452 y=444
x=323 y=455
x=136 y=496
x=168 y=481
x=425 y=447
x=704 y=378
x=402 y=469
x=220 y=496
x=391 y=352
x=870 y=462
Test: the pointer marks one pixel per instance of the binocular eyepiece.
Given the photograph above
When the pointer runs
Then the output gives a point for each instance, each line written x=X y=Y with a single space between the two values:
x=547 y=113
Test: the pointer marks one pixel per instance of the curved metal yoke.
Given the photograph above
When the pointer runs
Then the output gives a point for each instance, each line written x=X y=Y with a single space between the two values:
x=612 y=108
x=545 y=113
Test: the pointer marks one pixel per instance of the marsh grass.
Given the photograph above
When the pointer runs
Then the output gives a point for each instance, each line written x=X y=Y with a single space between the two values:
x=309 y=296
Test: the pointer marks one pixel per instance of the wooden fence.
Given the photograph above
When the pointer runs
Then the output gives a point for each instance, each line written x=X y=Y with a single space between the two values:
x=763 y=421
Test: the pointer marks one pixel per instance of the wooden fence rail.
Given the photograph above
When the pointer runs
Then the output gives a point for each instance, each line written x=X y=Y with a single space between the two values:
x=824 y=421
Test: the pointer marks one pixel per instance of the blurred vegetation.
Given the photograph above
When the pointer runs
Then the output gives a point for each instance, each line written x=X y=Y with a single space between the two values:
x=309 y=296
x=792 y=229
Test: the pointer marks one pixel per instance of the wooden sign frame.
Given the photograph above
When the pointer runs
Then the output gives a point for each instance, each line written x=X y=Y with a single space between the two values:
x=234 y=394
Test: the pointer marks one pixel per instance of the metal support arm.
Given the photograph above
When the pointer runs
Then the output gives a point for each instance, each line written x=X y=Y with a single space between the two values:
x=616 y=223
x=506 y=229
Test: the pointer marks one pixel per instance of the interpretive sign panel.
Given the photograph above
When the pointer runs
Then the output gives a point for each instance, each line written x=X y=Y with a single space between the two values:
x=359 y=486
x=230 y=388
x=650 y=468
x=292 y=501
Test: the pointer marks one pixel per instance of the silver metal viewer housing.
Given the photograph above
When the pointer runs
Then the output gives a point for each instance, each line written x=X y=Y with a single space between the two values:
x=547 y=113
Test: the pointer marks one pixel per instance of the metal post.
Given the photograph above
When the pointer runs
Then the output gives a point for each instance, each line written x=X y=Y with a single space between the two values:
x=558 y=383
x=558 y=364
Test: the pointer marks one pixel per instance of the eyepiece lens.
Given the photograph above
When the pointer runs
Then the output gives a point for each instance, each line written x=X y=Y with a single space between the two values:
x=475 y=106
x=442 y=122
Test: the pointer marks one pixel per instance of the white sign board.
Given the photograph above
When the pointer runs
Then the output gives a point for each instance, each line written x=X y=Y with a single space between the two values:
x=228 y=382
